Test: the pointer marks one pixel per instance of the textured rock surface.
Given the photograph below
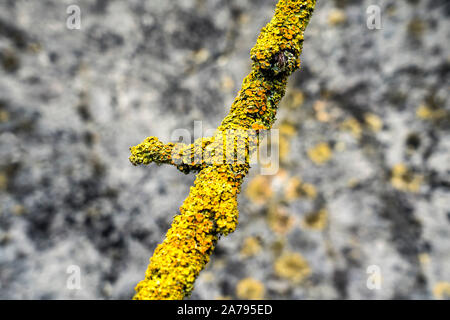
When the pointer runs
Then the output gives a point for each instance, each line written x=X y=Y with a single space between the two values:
x=376 y=191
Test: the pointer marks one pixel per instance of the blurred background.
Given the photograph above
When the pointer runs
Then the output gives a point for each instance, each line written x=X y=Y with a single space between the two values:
x=359 y=209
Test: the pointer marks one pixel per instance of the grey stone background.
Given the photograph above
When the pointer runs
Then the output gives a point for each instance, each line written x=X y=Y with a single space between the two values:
x=73 y=101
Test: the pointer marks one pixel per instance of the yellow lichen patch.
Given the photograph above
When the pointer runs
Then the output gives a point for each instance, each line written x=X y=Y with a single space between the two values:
x=293 y=188
x=297 y=98
x=293 y=267
x=373 y=121
x=19 y=210
x=287 y=129
x=207 y=276
x=284 y=147
x=296 y=188
x=428 y=113
x=3 y=181
x=353 y=126
x=227 y=83
x=286 y=132
x=353 y=182
x=316 y=220
x=201 y=55
x=4 y=116
x=441 y=290
x=279 y=220
x=424 y=259
x=250 y=247
x=250 y=289
x=403 y=179
x=320 y=107
x=308 y=190
x=259 y=189
x=424 y=112
x=278 y=245
x=320 y=154
x=416 y=27
x=336 y=17
x=294 y=99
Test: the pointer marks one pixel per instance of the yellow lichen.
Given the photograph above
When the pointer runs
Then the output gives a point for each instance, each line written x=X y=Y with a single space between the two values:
x=287 y=129
x=322 y=114
x=336 y=17
x=250 y=247
x=353 y=126
x=279 y=220
x=441 y=290
x=201 y=55
x=373 y=121
x=309 y=190
x=320 y=154
x=403 y=179
x=210 y=210
x=416 y=27
x=207 y=276
x=284 y=147
x=3 y=181
x=293 y=267
x=250 y=289
x=294 y=99
x=296 y=188
x=428 y=113
x=4 y=116
x=316 y=220
x=259 y=189
x=353 y=182
x=227 y=83
x=19 y=210
x=424 y=259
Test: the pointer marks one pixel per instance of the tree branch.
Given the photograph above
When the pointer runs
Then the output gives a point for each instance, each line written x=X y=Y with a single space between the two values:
x=210 y=210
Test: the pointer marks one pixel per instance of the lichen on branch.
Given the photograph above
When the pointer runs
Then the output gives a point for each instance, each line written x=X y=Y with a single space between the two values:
x=210 y=210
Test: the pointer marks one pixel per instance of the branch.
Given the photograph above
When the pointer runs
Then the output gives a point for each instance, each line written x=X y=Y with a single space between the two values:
x=184 y=157
x=210 y=210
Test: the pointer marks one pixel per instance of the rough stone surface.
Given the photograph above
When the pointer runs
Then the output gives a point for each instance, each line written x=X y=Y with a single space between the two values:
x=73 y=101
